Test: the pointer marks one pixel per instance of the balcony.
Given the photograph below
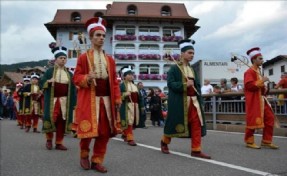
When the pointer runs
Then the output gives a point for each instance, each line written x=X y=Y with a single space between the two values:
x=171 y=38
x=168 y=57
x=125 y=37
x=149 y=38
x=164 y=76
x=125 y=56
x=149 y=56
x=149 y=77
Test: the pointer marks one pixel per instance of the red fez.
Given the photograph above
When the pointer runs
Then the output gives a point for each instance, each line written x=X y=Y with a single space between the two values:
x=96 y=23
x=253 y=53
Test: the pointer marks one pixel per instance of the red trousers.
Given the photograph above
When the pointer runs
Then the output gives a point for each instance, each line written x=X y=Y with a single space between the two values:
x=194 y=127
x=60 y=124
x=33 y=117
x=129 y=133
x=100 y=144
x=267 y=130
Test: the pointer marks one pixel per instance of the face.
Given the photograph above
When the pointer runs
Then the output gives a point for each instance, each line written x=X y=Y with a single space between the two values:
x=258 y=61
x=140 y=85
x=34 y=81
x=61 y=61
x=98 y=37
x=188 y=55
x=129 y=77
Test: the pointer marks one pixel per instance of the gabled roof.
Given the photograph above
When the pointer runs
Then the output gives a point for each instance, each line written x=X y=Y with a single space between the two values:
x=146 y=11
x=14 y=76
x=274 y=60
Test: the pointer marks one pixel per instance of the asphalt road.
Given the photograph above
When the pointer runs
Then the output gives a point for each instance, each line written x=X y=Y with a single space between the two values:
x=24 y=154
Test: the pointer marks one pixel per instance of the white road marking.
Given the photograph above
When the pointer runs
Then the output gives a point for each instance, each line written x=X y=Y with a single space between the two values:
x=206 y=160
x=227 y=132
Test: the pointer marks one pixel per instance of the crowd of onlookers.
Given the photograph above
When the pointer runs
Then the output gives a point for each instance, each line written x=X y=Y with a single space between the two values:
x=7 y=105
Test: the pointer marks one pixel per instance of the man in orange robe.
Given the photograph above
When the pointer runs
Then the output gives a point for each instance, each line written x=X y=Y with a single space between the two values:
x=259 y=114
x=97 y=98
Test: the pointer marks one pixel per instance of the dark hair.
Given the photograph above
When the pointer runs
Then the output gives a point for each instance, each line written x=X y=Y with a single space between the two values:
x=151 y=92
x=224 y=80
x=234 y=80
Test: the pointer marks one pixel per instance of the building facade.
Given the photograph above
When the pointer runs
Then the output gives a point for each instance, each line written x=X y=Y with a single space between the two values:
x=273 y=68
x=138 y=34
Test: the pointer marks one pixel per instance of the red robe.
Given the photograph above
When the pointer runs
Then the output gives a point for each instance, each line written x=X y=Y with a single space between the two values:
x=254 y=89
x=85 y=119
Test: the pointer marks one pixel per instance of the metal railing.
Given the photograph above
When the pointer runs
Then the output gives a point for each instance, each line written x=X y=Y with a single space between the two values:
x=225 y=103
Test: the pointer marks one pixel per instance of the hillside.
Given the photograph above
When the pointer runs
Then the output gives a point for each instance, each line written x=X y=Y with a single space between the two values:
x=14 y=67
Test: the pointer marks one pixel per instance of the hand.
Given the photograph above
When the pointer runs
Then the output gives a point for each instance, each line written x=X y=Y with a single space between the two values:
x=51 y=80
x=118 y=106
x=128 y=94
x=190 y=83
x=264 y=79
x=91 y=75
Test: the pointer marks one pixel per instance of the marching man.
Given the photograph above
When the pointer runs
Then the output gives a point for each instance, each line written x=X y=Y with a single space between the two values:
x=259 y=114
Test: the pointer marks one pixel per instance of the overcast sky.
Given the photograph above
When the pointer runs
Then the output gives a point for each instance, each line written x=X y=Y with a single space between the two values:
x=225 y=26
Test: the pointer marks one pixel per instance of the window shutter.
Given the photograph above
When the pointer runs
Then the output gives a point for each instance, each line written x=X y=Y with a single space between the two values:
x=70 y=53
x=71 y=36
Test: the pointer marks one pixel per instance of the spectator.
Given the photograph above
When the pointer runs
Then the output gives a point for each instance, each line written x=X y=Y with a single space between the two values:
x=10 y=106
x=235 y=87
x=143 y=93
x=1 y=104
x=155 y=107
x=283 y=84
x=4 y=102
x=207 y=87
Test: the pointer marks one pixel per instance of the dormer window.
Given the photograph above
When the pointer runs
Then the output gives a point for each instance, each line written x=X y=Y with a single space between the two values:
x=165 y=11
x=132 y=10
x=99 y=14
x=76 y=17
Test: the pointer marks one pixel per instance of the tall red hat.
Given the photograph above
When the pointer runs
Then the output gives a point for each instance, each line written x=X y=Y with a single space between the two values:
x=253 y=53
x=96 y=23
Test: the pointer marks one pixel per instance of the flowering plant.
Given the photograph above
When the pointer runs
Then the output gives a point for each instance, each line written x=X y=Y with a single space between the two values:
x=125 y=56
x=149 y=38
x=171 y=38
x=164 y=76
x=125 y=37
x=149 y=56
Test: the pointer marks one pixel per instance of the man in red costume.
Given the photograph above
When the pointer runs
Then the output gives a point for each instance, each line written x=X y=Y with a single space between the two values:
x=16 y=99
x=98 y=97
x=258 y=110
x=283 y=84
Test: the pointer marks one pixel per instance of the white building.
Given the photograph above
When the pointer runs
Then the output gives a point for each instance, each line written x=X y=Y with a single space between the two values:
x=214 y=70
x=275 y=67
x=138 y=34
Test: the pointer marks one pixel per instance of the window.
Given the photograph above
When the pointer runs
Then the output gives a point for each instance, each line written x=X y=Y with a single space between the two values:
x=149 y=69
x=166 y=68
x=165 y=11
x=148 y=49
x=148 y=30
x=171 y=31
x=75 y=17
x=73 y=35
x=270 y=71
x=172 y=49
x=132 y=10
x=282 y=68
x=125 y=30
x=73 y=53
x=125 y=49
x=98 y=14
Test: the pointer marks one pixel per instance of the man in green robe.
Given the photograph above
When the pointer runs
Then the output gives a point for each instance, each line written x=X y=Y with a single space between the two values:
x=59 y=99
x=185 y=115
